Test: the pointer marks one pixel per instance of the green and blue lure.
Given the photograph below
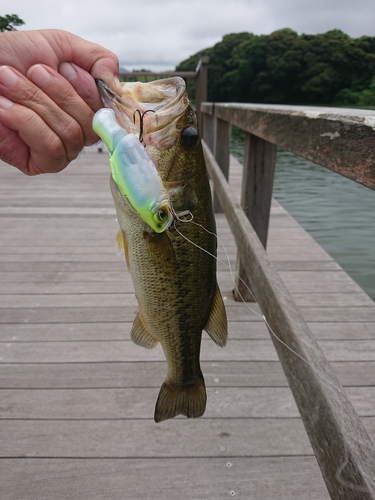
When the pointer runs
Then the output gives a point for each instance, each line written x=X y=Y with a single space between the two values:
x=134 y=172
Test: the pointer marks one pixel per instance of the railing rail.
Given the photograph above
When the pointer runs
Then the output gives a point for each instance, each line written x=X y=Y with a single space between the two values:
x=156 y=75
x=341 y=444
x=336 y=138
x=342 y=140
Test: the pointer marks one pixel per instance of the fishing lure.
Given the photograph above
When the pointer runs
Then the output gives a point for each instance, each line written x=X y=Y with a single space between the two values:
x=134 y=172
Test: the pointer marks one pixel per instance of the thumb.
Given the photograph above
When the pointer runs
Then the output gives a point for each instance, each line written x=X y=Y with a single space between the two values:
x=106 y=69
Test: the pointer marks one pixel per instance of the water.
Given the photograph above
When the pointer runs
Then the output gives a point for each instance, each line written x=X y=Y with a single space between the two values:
x=338 y=213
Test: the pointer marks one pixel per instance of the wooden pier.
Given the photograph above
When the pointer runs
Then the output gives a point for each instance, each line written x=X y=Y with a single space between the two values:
x=77 y=396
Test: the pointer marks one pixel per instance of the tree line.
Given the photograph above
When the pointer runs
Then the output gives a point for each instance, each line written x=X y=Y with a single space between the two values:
x=286 y=68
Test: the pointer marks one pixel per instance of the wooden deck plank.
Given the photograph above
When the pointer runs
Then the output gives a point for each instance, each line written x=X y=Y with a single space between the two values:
x=25 y=300
x=138 y=403
x=134 y=374
x=149 y=374
x=127 y=479
x=46 y=332
x=105 y=351
x=66 y=308
x=139 y=438
x=240 y=312
x=122 y=351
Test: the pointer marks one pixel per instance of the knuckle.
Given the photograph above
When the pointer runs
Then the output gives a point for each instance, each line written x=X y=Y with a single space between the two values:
x=55 y=148
x=29 y=94
x=74 y=139
x=91 y=138
x=73 y=132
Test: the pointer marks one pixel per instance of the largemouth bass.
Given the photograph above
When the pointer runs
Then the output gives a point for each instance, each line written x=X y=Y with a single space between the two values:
x=174 y=271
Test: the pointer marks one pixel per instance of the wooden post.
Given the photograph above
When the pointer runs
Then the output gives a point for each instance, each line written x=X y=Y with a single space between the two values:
x=256 y=196
x=221 y=153
x=340 y=441
x=209 y=122
x=201 y=87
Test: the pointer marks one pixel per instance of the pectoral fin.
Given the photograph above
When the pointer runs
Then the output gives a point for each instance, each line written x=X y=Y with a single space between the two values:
x=122 y=245
x=161 y=251
x=140 y=335
x=217 y=326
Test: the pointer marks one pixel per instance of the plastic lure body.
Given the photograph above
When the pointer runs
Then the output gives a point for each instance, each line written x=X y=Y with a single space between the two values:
x=134 y=172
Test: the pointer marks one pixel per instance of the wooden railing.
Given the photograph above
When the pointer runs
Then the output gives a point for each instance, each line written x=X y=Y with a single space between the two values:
x=343 y=141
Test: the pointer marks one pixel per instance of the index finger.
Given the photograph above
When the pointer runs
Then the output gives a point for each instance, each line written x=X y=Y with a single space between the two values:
x=95 y=59
x=23 y=49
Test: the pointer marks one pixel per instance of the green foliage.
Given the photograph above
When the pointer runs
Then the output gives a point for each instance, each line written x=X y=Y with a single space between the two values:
x=287 y=68
x=346 y=97
x=366 y=99
x=9 y=21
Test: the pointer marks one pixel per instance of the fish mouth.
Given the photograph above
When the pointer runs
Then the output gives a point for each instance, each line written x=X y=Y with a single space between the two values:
x=156 y=111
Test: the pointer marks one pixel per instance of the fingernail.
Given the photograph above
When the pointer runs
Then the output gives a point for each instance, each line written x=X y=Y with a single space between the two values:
x=39 y=75
x=7 y=76
x=5 y=102
x=117 y=84
x=67 y=71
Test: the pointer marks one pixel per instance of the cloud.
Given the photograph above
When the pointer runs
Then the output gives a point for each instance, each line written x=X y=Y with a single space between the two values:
x=149 y=33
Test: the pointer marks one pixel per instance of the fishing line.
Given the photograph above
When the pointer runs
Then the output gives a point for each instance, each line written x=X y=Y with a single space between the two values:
x=233 y=276
x=336 y=392
x=339 y=471
x=262 y=315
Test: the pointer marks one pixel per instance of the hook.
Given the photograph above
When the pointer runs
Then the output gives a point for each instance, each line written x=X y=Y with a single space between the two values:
x=141 y=115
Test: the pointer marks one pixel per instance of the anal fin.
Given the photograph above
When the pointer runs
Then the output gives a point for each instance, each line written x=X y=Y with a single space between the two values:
x=217 y=325
x=140 y=335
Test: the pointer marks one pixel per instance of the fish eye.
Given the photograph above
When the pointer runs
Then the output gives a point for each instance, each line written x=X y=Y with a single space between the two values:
x=189 y=137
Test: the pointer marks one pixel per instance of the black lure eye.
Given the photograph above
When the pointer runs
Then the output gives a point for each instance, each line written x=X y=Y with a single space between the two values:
x=162 y=214
x=189 y=137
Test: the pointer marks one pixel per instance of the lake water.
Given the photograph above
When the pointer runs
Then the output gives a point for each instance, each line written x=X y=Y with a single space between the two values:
x=338 y=213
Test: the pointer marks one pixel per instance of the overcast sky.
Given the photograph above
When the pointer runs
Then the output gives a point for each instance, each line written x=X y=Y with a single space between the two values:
x=158 y=34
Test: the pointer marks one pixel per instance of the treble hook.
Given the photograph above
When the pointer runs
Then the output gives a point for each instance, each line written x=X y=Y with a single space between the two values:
x=177 y=218
x=141 y=115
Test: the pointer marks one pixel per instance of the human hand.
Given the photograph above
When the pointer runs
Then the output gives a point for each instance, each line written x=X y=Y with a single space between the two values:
x=48 y=97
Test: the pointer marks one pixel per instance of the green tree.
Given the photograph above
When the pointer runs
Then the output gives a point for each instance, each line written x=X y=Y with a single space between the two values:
x=9 y=21
x=287 y=68
x=367 y=96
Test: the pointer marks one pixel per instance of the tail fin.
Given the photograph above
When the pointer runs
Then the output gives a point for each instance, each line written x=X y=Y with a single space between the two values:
x=189 y=400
